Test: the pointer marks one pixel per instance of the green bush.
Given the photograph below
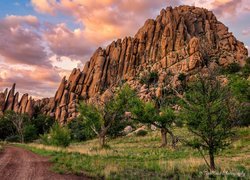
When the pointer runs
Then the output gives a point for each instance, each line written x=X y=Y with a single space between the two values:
x=79 y=131
x=141 y=132
x=181 y=77
x=246 y=69
x=13 y=138
x=58 y=136
x=231 y=68
x=151 y=78
x=30 y=133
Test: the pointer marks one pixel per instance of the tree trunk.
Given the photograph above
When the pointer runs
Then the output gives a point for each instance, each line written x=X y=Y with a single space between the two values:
x=163 y=137
x=172 y=137
x=102 y=140
x=211 y=158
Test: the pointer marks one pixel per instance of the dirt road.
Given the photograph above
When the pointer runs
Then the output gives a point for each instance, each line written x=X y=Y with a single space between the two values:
x=20 y=164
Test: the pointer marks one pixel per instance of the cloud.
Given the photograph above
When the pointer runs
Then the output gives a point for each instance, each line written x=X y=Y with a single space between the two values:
x=246 y=32
x=44 y=6
x=64 y=42
x=19 y=41
x=35 y=80
x=225 y=7
x=105 y=20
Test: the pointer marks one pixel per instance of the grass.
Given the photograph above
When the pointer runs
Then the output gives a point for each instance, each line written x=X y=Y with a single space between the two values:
x=134 y=157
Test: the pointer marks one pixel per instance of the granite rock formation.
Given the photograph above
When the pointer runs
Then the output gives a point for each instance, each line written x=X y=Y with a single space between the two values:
x=184 y=39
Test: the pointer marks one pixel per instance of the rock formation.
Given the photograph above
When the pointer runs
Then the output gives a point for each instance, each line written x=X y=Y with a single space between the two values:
x=184 y=39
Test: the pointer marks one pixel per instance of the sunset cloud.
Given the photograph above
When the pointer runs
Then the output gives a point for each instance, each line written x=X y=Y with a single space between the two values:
x=64 y=42
x=226 y=7
x=246 y=32
x=43 y=81
x=19 y=43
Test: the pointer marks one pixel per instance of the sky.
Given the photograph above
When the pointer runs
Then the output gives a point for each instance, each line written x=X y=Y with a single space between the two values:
x=43 y=40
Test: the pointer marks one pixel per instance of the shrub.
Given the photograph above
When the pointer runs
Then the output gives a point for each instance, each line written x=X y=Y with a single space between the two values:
x=231 y=68
x=150 y=78
x=13 y=138
x=30 y=133
x=181 y=77
x=79 y=131
x=58 y=136
x=141 y=132
x=246 y=68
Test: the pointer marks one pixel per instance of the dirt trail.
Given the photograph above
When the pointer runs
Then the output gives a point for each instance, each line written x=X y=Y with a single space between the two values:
x=20 y=164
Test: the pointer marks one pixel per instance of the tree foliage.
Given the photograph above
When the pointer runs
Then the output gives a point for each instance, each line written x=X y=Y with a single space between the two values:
x=107 y=118
x=210 y=115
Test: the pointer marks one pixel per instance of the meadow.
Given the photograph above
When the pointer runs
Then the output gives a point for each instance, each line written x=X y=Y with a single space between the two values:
x=134 y=157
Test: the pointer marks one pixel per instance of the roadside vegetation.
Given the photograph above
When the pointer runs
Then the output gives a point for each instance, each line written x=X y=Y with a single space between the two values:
x=133 y=157
x=207 y=120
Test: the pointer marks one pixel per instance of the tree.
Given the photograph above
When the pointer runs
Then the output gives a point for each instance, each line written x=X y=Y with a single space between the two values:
x=162 y=119
x=104 y=116
x=18 y=121
x=208 y=110
x=6 y=128
x=42 y=123
x=79 y=131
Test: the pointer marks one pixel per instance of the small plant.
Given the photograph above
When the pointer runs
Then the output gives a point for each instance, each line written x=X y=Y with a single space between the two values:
x=181 y=77
x=150 y=78
x=58 y=136
x=231 y=68
x=141 y=132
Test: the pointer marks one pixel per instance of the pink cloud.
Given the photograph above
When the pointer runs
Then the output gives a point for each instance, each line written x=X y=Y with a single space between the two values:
x=64 y=42
x=107 y=19
x=36 y=80
x=246 y=32
x=19 y=43
x=223 y=7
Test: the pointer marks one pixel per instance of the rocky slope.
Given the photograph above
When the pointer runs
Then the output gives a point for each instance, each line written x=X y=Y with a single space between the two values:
x=184 y=39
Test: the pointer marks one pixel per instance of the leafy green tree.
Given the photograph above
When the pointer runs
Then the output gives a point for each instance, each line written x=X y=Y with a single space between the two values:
x=6 y=128
x=18 y=121
x=240 y=88
x=42 y=123
x=209 y=113
x=106 y=116
x=79 y=131
x=149 y=114
x=30 y=133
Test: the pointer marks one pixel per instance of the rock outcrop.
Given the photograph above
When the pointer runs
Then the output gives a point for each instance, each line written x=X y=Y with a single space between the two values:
x=184 y=39
x=11 y=102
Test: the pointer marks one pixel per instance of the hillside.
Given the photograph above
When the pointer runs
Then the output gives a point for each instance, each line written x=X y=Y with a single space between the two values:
x=184 y=39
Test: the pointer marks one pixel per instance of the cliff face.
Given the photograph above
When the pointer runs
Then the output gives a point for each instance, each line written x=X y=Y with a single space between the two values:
x=180 y=40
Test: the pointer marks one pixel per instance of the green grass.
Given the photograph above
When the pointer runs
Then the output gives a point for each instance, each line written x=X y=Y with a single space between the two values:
x=134 y=157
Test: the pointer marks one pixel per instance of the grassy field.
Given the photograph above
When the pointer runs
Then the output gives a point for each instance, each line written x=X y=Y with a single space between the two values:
x=134 y=157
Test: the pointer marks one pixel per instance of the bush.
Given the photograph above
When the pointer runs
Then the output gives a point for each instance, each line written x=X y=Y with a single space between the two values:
x=79 y=131
x=152 y=77
x=30 y=133
x=181 y=77
x=14 y=138
x=141 y=132
x=246 y=68
x=58 y=136
x=231 y=68
x=42 y=123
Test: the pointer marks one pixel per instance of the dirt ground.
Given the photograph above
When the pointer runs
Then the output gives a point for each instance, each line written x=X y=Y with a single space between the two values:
x=20 y=164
